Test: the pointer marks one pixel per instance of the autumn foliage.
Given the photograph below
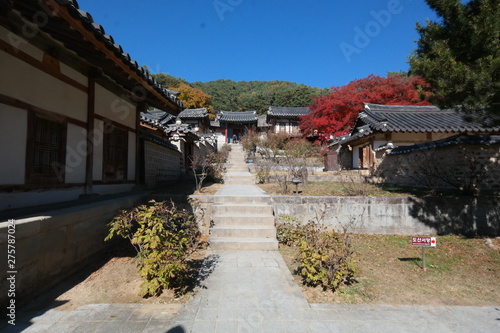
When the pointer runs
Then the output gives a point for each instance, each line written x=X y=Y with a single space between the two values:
x=335 y=113
x=193 y=98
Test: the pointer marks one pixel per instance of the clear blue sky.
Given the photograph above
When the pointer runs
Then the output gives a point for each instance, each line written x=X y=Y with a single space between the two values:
x=320 y=43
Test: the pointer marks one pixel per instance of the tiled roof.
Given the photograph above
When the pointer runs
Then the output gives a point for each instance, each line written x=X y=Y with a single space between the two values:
x=159 y=141
x=488 y=140
x=156 y=117
x=238 y=117
x=167 y=123
x=360 y=132
x=287 y=112
x=193 y=113
x=409 y=118
x=92 y=43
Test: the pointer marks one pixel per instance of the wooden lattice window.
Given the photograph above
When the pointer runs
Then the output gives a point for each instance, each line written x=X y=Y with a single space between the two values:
x=115 y=153
x=46 y=151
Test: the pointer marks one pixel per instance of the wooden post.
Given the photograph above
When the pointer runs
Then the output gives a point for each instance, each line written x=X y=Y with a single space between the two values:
x=423 y=258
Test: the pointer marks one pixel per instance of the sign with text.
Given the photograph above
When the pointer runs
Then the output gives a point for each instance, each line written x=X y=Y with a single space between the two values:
x=423 y=241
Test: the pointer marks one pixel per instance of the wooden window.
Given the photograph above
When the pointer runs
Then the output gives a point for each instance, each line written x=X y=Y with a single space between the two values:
x=46 y=152
x=115 y=153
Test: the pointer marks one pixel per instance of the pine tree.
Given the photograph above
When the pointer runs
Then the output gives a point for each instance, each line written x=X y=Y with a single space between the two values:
x=460 y=57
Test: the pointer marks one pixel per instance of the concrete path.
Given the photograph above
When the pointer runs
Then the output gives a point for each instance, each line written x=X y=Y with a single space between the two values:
x=253 y=291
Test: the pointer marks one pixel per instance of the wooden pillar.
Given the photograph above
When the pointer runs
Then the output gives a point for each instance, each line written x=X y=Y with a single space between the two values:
x=139 y=148
x=89 y=163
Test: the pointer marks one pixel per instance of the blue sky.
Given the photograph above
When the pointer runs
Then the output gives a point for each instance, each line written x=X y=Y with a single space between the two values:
x=320 y=43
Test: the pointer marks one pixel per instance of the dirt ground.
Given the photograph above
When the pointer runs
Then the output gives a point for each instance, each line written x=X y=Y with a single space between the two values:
x=460 y=271
x=112 y=279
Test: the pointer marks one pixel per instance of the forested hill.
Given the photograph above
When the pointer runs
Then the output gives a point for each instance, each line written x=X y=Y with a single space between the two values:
x=228 y=95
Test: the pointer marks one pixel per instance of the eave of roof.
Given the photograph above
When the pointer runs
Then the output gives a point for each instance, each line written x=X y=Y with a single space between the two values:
x=237 y=117
x=411 y=118
x=194 y=113
x=487 y=140
x=76 y=30
x=287 y=112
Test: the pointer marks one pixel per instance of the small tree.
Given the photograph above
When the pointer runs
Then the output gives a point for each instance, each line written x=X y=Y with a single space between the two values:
x=200 y=166
x=164 y=238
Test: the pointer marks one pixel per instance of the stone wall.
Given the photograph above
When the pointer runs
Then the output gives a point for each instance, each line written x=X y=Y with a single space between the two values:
x=398 y=215
x=52 y=246
x=386 y=215
x=162 y=165
x=458 y=167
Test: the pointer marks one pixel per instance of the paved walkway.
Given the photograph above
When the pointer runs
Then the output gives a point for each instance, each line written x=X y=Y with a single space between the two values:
x=253 y=291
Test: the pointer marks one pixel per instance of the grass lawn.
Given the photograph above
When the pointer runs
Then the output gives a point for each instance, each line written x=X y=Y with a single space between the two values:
x=460 y=271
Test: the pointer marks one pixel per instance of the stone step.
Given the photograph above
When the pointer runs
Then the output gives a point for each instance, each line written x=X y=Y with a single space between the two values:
x=251 y=199
x=234 y=177
x=242 y=210
x=246 y=244
x=248 y=220
x=243 y=232
x=239 y=182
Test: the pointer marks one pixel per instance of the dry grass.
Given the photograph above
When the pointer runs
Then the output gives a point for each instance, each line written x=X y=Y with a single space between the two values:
x=460 y=271
x=337 y=189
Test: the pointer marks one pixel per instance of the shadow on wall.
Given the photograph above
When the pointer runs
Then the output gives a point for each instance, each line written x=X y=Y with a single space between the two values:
x=469 y=216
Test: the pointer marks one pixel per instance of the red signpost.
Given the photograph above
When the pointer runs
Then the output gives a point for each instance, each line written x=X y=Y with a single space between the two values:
x=423 y=242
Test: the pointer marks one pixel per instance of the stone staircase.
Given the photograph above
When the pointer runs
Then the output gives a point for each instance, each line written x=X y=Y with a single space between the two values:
x=242 y=213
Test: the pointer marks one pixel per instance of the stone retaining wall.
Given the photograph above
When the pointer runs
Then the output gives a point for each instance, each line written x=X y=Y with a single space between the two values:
x=51 y=246
x=398 y=215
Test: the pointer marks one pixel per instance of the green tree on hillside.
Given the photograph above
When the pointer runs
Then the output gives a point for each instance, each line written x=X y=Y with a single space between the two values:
x=168 y=80
x=257 y=95
x=460 y=57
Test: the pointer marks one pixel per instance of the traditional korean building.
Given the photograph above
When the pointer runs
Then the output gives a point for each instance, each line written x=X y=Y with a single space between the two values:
x=70 y=100
x=286 y=119
x=230 y=123
x=197 y=118
x=385 y=127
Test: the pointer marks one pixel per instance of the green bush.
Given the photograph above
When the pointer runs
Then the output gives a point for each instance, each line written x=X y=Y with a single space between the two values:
x=327 y=258
x=164 y=238
x=289 y=231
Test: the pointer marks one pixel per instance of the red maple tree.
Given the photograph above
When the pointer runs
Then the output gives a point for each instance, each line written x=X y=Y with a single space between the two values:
x=335 y=113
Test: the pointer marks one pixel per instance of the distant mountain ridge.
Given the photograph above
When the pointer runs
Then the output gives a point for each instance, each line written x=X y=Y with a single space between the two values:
x=229 y=95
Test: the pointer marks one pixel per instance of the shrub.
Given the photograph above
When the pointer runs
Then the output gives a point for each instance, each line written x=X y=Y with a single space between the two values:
x=289 y=231
x=164 y=237
x=327 y=257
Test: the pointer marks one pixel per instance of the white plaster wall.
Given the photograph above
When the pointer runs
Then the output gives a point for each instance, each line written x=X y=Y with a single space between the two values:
x=378 y=144
x=355 y=157
x=33 y=86
x=73 y=74
x=131 y=156
x=114 y=107
x=98 y=149
x=20 y=43
x=13 y=133
x=76 y=154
